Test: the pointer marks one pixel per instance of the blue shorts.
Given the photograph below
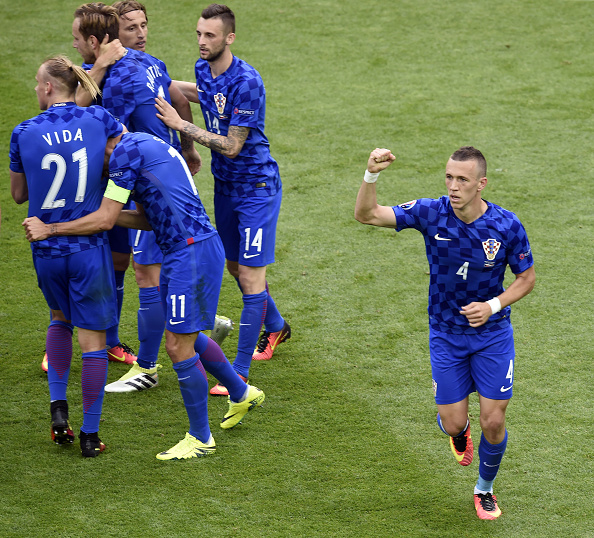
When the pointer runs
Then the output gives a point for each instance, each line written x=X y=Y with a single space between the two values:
x=247 y=227
x=81 y=285
x=190 y=285
x=461 y=364
x=118 y=240
x=144 y=247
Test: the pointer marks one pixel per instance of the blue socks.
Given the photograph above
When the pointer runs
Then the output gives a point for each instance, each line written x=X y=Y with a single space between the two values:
x=273 y=322
x=151 y=326
x=490 y=457
x=250 y=324
x=194 y=389
x=94 y=376
x=58 y=346
x=215 y=363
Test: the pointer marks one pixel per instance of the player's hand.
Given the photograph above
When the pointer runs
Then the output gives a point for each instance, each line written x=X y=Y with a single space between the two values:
x=193 y=160
x=35 y=229
x=477 y=314
x=110 y=52
x=379 y=160
x=167 y=114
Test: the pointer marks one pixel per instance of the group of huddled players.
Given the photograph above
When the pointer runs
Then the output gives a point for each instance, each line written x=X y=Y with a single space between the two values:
x=105 y=173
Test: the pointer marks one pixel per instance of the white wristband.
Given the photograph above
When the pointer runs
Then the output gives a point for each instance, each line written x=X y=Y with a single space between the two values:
x=495 y=305
x=369 y=177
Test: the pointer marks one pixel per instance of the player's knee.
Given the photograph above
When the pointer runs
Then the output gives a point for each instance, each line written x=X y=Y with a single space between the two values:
x=492 y=425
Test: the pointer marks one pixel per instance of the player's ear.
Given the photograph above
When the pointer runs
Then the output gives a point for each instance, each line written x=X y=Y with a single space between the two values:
x=94 y=42
x=482 y=183
x=230 y=38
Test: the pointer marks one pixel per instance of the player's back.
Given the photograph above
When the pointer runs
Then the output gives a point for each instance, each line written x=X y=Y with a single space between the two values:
x=61 y=152
x=161 y=182
x=129 y=91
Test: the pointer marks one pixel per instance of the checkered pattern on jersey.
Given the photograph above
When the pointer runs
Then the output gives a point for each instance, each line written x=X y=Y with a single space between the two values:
x=129 y=90
x=467 y=262
x=237 y=97
x=56 y=151
x=155 y=172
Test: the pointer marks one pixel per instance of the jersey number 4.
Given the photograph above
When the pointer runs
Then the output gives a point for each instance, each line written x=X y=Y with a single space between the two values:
x=463 y=271
x=79 y=156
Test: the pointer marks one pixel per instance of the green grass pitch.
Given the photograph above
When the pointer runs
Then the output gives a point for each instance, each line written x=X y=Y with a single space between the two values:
x=346 y=444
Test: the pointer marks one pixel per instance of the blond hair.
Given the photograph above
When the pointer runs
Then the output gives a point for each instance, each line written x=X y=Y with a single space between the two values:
x=68 y=75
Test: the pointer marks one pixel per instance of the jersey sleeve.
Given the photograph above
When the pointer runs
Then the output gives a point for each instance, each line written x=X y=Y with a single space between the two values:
x=415 y=214
x=123 y=162
x=249 y=102
x=519 y=255
x=113 y=127
x=16 y=164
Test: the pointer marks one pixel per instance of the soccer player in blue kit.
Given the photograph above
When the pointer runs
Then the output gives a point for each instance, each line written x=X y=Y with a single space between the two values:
x=247 y=185
x=56 y=163
x=129 y=87
x=157 y=178
x=469 y=243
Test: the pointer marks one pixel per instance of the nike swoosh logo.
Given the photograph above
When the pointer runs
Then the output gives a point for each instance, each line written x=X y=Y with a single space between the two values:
x=487 y=465
x=175 y=322
x=503 y=389
x=246 y=256
x=183 y=378
x=136 y=251
x=441 y=238
x=244 y=324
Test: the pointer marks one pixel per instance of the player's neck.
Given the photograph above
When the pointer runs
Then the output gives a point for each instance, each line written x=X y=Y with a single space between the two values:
x=60 y=99
x=221 y=64
x=470 y=213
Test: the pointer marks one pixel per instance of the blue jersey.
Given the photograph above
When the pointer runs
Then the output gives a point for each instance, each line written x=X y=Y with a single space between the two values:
x=129 y=90
x=237 y=97
x=467 y=262
x=61 y=153
x=160 y=181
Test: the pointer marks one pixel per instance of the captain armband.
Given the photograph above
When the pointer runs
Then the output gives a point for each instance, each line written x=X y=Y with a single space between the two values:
x=369 y=177
x=115 y=193
x=495 y=305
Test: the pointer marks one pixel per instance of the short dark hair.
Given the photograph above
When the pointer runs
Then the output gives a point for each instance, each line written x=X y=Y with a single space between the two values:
x=126 y=6
x=220 y=11
x=469 y=153
x=98 y=19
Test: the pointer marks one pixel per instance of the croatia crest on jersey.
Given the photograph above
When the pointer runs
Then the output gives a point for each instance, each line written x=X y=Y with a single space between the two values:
x=491 y=248
x=220 y=101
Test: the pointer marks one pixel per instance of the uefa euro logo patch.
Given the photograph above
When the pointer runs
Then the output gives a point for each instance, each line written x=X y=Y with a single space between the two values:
x=220 y=100
x=491 y=248
x=408 y=205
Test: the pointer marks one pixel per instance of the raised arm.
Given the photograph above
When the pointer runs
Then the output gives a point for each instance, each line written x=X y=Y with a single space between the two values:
x=229 y=145
x=367 y=210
